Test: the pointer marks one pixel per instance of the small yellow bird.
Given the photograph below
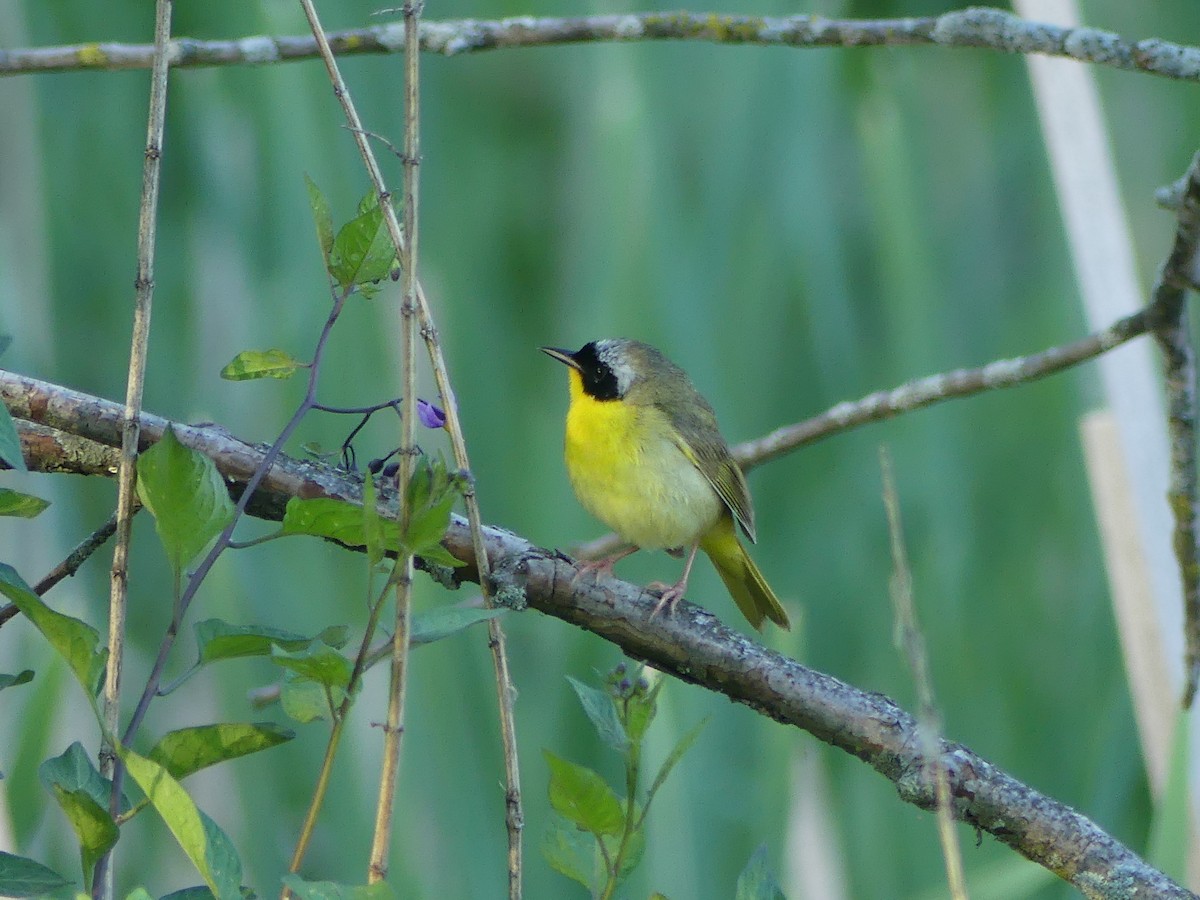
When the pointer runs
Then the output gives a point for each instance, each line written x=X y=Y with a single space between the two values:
x=646 y=457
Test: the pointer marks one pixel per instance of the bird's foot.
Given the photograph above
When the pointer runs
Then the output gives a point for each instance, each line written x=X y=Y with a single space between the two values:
x=598 y=567
x=669 y=597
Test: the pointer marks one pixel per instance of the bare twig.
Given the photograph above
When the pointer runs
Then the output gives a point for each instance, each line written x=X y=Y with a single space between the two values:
x=977 y=27
x=918 y=394
x=690 y=644
x=102 y=885
x=1170 y=324
x=393 y=731
x=79 y=555
x=505 y=692
x=255 y=478
x=911 y=643
x=70 y=565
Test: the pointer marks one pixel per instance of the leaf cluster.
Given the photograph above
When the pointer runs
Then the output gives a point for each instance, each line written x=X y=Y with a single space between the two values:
x=599 y=838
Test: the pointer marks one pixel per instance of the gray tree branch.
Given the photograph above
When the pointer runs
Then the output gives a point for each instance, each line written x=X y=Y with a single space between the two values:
x=978 y=27
x=690 y=644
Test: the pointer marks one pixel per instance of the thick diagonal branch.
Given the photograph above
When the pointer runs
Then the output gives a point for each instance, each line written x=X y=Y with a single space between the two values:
x=691 y=644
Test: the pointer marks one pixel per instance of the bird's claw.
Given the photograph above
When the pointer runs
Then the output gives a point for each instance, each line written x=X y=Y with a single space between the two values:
x=671 y=593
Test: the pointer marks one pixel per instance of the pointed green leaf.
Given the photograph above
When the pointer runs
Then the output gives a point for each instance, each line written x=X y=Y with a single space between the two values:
x=305 y=701
x=443 y=621
x=640 y=711
x=362 y=252
x=599 y=708
x=372 y=524
x=24 y=506
x=205 y=844
x=10 y=442
x=428 y=526
x=324 y=517
x=216 y=639
x=23 y=677
x=321 y=216
x=73 y=771
x=437 y=555
x=186 y=495
x=757 y=881
x=682 y=747
x=189 y=750
x=634 y=852
x=583 y=797
x=77 y=642
x=420 y=483
x=251 y=364
x=320 y=664
x=571 y=852
x=201 y=892
x=24 y=877
x=140 y=893
x=329 y=890
x=93 y=826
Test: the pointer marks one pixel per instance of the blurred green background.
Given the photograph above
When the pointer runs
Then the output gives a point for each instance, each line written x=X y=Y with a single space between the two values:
x=794 y=227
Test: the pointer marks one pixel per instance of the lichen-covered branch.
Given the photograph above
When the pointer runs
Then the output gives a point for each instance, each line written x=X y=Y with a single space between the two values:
x=992 y=29
x=690 y=644
x=1170 y=324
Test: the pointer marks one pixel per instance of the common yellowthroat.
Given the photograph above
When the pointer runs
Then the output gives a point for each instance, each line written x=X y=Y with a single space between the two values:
x=645 y=456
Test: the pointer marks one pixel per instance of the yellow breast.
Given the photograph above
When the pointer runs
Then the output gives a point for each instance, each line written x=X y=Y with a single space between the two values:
x=628 y=472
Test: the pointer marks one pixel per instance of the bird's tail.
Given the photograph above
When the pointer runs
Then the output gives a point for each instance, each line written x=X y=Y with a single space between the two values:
x=745 y=582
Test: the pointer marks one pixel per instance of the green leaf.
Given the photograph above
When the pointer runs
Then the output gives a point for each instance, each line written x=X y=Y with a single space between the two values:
x=205 y=844
x=216 y=640
x=10 y=442
x=640 y=710
x=372 y=525
x=325 y=517
x=23 y=677
x=572 y=852
x=73 y=771
x=201 y=892
x=24 y=877
x=428 y=526
x=583 y=797
x=757 y=881
x=186 y=495
x=443 y=621
x=329 y=890
x=94 y=827
x=420 y=483
x=684 y=744
x=599 y=708
x=320 y=664
x=437 y=555
x=140 y=893
x=321 y=216
x=251 y=364
x=24 y=506
x=633 y=852
x=189 y=750
x=305 y=701
x=77 y=642
x=362 y=252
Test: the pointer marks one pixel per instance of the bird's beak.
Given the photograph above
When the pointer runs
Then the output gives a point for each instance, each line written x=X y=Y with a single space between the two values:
x=563 y=356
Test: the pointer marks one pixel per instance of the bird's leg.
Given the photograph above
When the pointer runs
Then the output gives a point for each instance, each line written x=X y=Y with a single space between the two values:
x=672 y=593
x=603 y=566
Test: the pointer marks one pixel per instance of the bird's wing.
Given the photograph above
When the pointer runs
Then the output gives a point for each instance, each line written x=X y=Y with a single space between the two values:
x=708 y=452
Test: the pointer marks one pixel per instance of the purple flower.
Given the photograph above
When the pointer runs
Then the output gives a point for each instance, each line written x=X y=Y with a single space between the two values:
x=430 y=415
